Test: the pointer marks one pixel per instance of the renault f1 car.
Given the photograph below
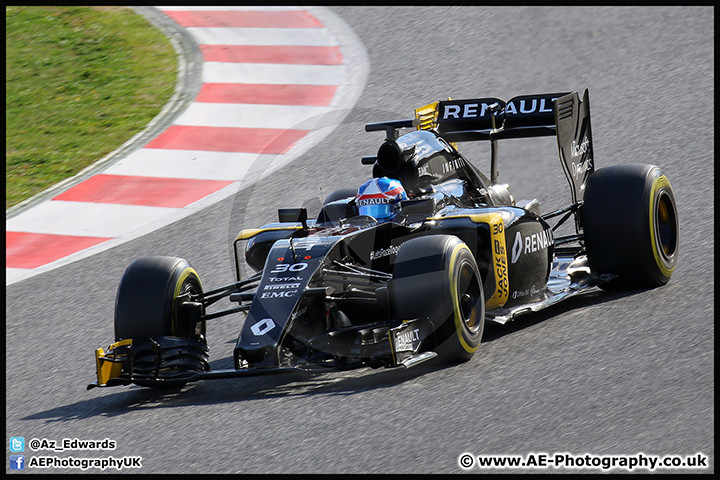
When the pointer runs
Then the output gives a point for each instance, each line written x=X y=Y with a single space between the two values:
x=344 y=290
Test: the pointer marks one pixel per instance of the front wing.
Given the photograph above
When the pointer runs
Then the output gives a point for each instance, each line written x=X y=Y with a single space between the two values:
x=115 y=366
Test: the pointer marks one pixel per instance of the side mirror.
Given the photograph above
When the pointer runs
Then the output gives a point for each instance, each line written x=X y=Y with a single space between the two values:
x=293 y=215
x=422 y=206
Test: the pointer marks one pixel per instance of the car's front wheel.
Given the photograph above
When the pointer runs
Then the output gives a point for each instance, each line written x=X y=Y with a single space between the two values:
x=436 y=276
x=154 y=307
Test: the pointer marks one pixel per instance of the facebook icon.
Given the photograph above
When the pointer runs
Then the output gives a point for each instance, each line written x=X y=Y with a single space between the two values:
x=17 y=462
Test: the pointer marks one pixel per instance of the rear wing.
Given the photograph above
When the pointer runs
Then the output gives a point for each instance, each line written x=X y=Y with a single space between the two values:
x=563 y=115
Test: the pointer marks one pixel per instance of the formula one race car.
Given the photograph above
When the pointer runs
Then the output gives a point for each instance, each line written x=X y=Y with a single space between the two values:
x=411 y=266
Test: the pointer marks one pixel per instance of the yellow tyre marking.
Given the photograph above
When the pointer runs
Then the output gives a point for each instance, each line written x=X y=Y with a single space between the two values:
x=456 y=300
x=185 y=274
x=658 y=183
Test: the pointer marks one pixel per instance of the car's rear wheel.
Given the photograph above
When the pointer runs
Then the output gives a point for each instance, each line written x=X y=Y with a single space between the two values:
x=630 y=222
x=436 y=276
x=154 y=308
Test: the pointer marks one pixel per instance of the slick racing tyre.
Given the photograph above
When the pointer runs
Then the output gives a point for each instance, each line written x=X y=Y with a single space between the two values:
x=436 y=276
x=630 y=221
x=147 y=302
x=153 y=308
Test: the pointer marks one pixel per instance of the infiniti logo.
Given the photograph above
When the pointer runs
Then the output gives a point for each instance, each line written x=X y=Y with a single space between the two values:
x=577 y=150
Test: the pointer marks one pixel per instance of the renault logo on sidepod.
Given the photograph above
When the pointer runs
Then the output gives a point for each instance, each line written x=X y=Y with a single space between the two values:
x=517 y=248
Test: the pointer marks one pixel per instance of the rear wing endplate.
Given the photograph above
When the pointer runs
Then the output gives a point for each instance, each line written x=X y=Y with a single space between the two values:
x=574 y=137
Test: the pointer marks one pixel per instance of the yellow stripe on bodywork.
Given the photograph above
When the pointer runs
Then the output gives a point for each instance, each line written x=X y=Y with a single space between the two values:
x=658 y=183
x=107 y=369
x=456 y=299
x=251 y=232
x=427 y=116
x=499 y=254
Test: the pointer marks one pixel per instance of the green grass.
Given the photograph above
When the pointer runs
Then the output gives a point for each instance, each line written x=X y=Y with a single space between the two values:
x=80 y=82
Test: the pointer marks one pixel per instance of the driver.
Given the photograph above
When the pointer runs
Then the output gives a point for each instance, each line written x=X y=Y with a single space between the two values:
x=380 y=198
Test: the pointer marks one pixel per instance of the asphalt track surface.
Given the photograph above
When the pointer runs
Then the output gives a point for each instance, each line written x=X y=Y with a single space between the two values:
x=605 y=374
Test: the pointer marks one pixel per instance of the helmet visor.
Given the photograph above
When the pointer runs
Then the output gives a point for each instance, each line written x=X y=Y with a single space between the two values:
x=378 y=211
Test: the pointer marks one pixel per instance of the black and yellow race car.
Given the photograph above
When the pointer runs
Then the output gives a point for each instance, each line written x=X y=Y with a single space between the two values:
x=346 y=290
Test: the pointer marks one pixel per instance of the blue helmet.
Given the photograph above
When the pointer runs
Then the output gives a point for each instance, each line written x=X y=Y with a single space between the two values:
x=380 y=197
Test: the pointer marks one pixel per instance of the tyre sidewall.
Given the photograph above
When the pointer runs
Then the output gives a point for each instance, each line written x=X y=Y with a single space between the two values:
x=463 y=340
x=662 y=265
